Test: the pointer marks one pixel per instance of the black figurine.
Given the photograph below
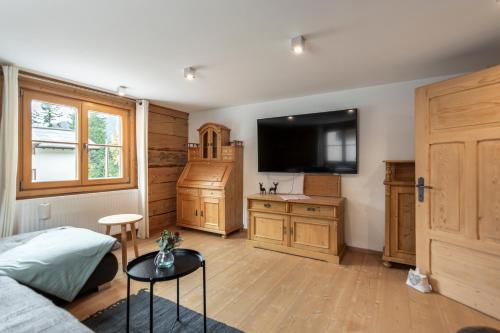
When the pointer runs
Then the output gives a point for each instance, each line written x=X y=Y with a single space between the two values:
x=273 y=189
x=262 y=189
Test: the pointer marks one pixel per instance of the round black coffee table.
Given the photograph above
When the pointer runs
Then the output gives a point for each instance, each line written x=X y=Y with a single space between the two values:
x=143 y=269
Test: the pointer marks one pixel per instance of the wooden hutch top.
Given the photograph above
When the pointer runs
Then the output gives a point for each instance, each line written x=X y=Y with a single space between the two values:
x=211 y=162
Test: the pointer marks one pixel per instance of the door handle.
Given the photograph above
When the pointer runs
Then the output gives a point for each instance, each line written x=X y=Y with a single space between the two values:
x=421 y=188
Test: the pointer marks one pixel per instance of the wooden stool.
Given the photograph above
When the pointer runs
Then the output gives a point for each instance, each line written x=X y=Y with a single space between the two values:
x=123 y=220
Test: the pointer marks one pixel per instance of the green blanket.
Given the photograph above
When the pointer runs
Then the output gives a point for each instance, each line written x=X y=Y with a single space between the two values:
x=58 y=261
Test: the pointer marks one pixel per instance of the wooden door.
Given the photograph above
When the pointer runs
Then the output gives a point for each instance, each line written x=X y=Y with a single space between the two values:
x=311 y=234
x=402 y=223
x=188 y=210
x=458 y=155
x=212 y=213
x=269 y=228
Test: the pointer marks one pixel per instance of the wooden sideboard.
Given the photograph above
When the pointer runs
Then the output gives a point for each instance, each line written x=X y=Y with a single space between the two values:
x=210 y=188
x=311 y=228
x=399 y=213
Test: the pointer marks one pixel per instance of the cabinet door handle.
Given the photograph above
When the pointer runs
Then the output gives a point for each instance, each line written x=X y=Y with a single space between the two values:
x=267 y=205
x=311 y=209
x=291 y=231
x=201 y=213
x=196 y=212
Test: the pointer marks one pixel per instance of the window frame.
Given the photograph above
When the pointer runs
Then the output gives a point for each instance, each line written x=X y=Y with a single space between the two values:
x=27 y=142
x=84 y=101
x=86 y=108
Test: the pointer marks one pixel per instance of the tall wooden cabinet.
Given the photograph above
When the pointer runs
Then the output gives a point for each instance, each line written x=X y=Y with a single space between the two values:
x=210 y=188
x=399 y=213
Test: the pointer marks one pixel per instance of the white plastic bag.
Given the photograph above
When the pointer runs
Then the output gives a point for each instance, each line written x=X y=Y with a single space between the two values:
x=418 y=281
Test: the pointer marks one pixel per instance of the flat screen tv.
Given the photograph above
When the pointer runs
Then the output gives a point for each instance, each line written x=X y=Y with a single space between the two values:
x=325 y=142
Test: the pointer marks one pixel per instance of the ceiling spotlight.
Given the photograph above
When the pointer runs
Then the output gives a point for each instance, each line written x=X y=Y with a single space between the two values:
x=297 y=44
x=189 y=73
x=121 y=90
x=291 y=117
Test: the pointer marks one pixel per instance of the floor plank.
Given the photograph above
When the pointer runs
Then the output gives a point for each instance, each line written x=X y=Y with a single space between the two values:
x=264 y=291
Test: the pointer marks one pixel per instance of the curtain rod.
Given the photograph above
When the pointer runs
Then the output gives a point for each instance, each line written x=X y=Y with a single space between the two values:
x=39 y=77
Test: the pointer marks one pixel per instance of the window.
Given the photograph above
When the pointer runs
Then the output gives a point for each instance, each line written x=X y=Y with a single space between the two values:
x=334 y=143
x=341 y=145
x=71 y=145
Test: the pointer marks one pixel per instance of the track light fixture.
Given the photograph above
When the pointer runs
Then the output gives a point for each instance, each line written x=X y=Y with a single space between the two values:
x=189 y=73
x=297 y=44
x=121 y=90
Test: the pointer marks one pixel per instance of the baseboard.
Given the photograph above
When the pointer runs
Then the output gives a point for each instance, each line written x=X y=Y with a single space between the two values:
x=362 y=250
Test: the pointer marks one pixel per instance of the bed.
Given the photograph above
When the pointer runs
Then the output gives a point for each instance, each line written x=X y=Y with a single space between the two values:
x=60 y=263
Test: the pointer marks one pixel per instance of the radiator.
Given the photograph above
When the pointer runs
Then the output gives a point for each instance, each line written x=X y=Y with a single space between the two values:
x=79 y=210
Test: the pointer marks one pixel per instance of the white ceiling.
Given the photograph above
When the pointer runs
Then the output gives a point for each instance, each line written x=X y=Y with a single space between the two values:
x=240 y=48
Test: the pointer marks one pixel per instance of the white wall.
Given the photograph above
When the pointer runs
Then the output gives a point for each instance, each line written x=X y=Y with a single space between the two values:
x=386 y=131
x=45 y=160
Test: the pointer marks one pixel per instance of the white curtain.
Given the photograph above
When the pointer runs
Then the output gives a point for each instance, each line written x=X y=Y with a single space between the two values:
x=8 y=150
x=141 y=131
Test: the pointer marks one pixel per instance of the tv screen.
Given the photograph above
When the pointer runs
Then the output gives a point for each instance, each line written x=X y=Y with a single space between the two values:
x=318 y=142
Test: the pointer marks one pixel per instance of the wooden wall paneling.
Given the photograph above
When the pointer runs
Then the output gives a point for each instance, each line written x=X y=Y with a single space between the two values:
x=164 y=174
x=158 y=223
x=159 y=207
x=167 y=125
x=166 y=142
x=168 y=112
x=167 y=150
x=158 y=158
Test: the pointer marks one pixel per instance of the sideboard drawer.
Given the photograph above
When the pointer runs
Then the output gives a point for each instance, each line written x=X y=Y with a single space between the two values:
x=268 y=205
x=189 y=191
x=212 y=193
x=314 y=210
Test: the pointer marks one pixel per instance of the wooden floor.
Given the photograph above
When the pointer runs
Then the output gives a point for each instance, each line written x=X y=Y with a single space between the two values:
x=263 y=291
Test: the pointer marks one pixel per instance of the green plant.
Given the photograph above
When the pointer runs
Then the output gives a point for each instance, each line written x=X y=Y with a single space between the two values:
x=169 y=240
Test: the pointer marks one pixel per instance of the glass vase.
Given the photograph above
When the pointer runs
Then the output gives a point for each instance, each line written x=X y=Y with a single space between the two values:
x=164 y=259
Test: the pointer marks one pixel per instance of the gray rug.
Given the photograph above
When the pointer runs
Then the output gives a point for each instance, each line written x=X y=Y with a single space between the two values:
x=113 y=319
